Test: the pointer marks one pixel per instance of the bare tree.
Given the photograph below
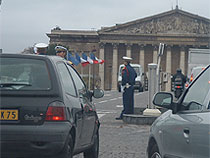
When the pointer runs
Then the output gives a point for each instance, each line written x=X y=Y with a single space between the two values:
x=29 y=50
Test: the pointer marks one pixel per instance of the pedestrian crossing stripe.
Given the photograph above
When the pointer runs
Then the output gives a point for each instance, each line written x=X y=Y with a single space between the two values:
x=101 y=115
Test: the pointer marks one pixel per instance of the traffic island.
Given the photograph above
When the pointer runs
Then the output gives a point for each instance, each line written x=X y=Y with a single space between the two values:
x=138 y=118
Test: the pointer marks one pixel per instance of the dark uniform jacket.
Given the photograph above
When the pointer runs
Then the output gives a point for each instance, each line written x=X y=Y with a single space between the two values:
x=128 y=75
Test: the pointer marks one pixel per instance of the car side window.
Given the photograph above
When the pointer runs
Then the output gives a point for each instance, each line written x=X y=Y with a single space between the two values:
x=195 y=97
x=80 y=86
x=66 y=79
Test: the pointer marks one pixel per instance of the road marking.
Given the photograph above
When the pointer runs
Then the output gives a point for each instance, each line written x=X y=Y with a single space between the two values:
x=105 y=111
x=104 y=101
x=107 y=95
x=101 y=115
x=119 y=106
x=113 y=99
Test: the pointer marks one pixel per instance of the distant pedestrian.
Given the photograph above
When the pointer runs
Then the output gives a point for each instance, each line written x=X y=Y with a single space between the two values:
x=128 y=80
x=41 y=48
x=61 y=51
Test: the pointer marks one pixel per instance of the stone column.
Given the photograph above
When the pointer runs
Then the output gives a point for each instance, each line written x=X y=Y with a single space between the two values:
x=155 y=54
x=114 y=67
x=141 y=56
x=168 y=68
x=101 y=66
x=182 y=59
x=128 y=50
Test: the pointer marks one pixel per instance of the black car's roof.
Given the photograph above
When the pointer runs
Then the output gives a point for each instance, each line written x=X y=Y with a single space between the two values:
x=52 y=58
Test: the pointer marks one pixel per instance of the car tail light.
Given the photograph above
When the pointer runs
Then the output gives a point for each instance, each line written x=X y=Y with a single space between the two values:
x=186 y=84
x=56 y=112
x=191 y=78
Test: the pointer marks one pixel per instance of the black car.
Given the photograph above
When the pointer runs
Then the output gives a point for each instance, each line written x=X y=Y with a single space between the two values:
x=45 y=109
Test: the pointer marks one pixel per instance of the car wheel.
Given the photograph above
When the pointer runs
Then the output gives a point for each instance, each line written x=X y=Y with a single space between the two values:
x=94 y=150
x=68 y=148
x=155 y=152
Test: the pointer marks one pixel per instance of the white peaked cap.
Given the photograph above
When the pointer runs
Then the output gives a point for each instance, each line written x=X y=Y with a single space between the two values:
x=41 y=45
x=127 y=58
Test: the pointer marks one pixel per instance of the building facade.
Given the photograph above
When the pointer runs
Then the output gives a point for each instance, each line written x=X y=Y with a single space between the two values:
x=140 y=39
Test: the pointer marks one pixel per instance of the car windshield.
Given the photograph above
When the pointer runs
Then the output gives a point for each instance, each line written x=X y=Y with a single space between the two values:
x=198 y=91
x=24 y=74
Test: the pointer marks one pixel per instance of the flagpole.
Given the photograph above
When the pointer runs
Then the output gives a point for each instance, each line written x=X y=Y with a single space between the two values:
x=82 y=71
x=93 y=71
x=93 y=77
x=89 y=76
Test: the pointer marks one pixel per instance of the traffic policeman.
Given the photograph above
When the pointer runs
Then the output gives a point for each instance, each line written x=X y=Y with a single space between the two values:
x=61 y=51
x=128 y=80
x=41 y=48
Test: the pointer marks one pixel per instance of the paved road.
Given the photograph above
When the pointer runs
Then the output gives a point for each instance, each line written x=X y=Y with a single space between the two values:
x=117 y=139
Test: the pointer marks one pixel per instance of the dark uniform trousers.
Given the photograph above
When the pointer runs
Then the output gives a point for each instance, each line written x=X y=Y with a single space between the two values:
x=128 y=80
x=128 y=101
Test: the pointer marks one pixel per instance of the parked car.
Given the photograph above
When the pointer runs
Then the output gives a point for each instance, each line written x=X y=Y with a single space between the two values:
x=46 y=109
x=139 y=81
x=183 y=131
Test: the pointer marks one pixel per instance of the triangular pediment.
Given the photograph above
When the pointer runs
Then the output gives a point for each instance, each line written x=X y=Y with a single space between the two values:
x=172 y=22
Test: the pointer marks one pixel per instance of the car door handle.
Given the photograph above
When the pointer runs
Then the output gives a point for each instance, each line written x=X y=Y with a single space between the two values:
x=186 y=135
x=186 y=131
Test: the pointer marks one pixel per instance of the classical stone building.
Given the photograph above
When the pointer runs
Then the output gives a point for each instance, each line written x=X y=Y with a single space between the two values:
x=140 y=39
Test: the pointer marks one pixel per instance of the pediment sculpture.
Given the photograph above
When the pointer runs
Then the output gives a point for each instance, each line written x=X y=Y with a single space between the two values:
x=172 y=24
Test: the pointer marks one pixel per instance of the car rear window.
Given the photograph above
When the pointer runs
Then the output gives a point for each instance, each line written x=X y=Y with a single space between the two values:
x=24 y=74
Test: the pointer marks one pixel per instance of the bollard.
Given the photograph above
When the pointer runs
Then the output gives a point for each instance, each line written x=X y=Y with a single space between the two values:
x=152 y=89
x=152 y=83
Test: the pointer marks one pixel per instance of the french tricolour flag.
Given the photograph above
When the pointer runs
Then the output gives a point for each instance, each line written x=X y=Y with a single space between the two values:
x=87 y=58
x=95 y=59
x=81 y=60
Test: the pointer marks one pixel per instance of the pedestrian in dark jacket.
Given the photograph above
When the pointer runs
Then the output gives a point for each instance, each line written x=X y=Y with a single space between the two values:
x=128 y=80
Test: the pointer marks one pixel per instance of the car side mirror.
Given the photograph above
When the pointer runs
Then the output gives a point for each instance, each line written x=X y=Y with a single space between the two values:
x=163 y=99
x=98 y=93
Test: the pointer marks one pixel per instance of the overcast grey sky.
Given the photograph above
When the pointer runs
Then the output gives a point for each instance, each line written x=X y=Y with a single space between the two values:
x=25 y=22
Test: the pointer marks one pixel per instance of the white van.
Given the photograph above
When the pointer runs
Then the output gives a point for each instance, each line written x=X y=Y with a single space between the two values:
x=139 y=79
